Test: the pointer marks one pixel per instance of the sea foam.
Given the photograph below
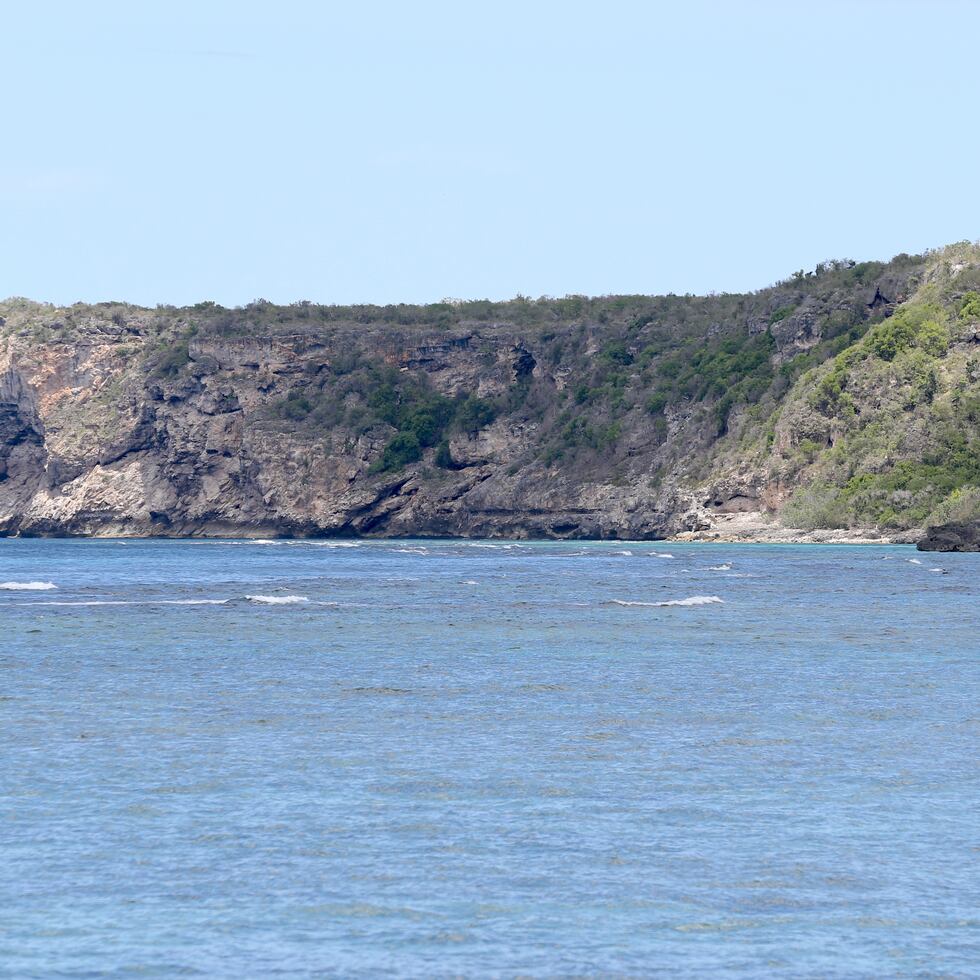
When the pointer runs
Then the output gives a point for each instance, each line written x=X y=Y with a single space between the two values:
x=694 y=600
x=277 y=600
x=27 y=586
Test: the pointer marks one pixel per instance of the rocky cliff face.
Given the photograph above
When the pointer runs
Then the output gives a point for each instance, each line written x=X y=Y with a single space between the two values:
x=621 y=417
x=951 y=537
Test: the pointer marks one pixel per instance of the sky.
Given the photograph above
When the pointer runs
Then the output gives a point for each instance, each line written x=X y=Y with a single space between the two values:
x=226 y=150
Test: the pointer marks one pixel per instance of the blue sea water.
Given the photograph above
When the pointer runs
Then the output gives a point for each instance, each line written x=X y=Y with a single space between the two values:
x=434 y=758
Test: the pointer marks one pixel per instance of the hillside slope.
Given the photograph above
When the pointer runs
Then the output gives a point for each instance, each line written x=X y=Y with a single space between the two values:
x=842 y=401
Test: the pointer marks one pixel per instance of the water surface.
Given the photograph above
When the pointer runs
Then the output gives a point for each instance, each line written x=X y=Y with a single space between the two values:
x=470 y=758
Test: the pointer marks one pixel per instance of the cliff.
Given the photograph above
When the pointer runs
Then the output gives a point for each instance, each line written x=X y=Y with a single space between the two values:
x=843 y=402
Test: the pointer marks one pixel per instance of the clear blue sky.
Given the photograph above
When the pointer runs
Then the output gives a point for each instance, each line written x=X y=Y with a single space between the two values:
x=178 y=151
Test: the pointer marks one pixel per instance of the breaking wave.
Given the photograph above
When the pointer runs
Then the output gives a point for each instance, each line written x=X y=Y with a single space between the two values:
x=694 y=600
x=277 y=600
x=27 y=586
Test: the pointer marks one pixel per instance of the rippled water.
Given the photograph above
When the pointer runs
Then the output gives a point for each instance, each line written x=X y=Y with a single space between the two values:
x=446 y=758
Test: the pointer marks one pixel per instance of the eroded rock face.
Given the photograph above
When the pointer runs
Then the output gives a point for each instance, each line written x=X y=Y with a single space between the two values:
x=951 y=537
x=23 y=455
x=204 y=422
x=99 y=436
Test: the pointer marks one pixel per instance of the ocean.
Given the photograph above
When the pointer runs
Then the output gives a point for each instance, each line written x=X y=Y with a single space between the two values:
x=475 y=758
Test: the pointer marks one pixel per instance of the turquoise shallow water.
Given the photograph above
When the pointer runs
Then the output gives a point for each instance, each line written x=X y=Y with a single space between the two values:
x=471 y=759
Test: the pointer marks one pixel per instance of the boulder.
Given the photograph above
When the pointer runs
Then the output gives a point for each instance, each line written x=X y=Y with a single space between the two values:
x=952 y=537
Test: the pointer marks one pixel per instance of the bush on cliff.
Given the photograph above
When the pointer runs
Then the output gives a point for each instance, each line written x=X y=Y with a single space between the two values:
x=962 y=506
x=970 y=306
x=915 y=325
x=401 y=450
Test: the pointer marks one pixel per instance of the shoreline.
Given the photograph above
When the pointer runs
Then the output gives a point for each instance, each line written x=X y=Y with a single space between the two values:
x=793 y=536
x=762 y=536
x=753 y=528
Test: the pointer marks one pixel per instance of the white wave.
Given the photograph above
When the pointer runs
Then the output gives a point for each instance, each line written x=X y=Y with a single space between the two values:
x=940 y=570
x=913 y=561
x=189 y=602
x=277 y=600
x=129 y=602
x=470 y=581
x=658 y=554
x=694 y=600
x=336 y=544
x=411 y=551
x=720 y=568
x=628 y=554
x=27 y=586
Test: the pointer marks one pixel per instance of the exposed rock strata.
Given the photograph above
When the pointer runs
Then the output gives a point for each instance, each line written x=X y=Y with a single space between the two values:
x=120 y=421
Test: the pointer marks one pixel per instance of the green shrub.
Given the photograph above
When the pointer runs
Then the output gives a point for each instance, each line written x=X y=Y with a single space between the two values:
x=616 y=352
x=401 y=450
x=906 y=494
x=295 y=407
x=816 y=506
x=890 y=338
x=809 y=449
x=962 y=506
x=609 y=436
x=918 y=325
x=385 y=401
x=174 y=359
x=922 y=377
x=933 y=338
x=475 y=413
x=781 y=314
x=970 y=306
x=444 y=458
